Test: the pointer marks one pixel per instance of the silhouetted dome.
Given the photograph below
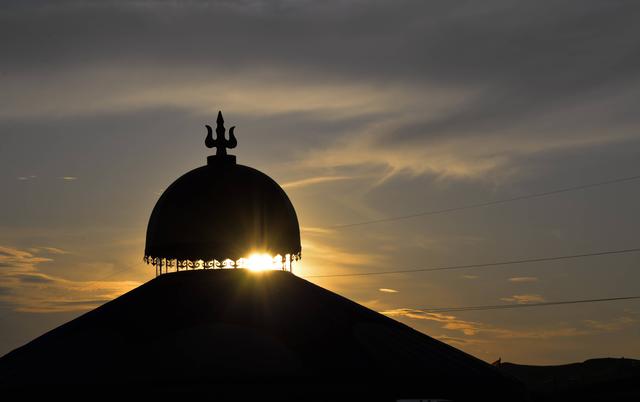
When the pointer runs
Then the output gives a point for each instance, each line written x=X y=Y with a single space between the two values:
x=222 y=211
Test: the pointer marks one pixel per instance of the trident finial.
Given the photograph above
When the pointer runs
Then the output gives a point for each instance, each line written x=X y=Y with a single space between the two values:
x=220 y=143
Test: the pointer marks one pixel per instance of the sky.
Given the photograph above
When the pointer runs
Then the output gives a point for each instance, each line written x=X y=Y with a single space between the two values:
x=361 y=110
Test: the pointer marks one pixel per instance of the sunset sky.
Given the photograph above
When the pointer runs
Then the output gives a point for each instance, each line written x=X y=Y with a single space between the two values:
x=361 y=110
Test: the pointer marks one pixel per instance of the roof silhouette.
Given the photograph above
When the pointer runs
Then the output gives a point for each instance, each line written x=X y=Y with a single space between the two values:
x=211 y=330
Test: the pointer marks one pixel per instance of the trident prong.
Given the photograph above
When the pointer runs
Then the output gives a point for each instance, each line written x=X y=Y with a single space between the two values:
x=220 y=143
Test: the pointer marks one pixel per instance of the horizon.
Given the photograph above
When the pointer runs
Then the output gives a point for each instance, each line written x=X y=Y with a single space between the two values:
x=461 y=142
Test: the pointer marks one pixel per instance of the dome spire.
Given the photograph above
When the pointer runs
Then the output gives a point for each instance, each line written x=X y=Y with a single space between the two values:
x=223 y=215
x=220 y=143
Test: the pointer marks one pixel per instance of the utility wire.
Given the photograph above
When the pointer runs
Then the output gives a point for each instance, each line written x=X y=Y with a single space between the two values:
x=525 y=305
x=486 y=204
x=485 y=265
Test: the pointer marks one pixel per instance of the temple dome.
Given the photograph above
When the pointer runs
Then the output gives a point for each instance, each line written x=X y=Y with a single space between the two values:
x=222 y=211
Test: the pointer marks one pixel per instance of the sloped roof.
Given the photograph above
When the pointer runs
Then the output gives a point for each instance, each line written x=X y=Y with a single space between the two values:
x=202 y=329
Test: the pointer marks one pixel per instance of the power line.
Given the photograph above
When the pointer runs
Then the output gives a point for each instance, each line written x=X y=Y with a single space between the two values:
x=484 y=265
x=526 y=305
x=485 y=204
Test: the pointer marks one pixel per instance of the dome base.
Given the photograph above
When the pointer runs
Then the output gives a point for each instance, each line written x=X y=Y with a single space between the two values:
x=257 y=262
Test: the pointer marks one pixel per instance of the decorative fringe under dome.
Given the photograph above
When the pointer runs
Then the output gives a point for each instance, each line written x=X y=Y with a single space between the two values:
x=166 y=265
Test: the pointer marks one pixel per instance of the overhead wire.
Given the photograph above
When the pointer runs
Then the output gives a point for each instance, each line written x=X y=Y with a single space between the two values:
x=485 y=204
x=521 y=305
x=483 y=265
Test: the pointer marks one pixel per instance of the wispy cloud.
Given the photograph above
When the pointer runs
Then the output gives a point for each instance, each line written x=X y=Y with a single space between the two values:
x=488 y=331
x=615 y=324
x=448 y=114
x=459 y=341
x=337 y=256
x=448 y=321
x=313 y=180
x=523 y=279
x=387 y=290
x=50 y=250
x=19 y=259
x=457 y=156
x=256 y=91
x=523 y=299
x=316 y=230
x=26 y=289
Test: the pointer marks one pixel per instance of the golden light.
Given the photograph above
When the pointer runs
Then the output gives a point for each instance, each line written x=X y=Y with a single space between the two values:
x=261 y=262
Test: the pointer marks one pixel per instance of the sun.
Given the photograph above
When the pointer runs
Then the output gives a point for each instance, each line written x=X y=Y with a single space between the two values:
x=260 y=262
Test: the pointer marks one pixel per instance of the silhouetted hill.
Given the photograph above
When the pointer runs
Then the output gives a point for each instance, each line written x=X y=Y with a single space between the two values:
x=593 y=380
x=241 y=334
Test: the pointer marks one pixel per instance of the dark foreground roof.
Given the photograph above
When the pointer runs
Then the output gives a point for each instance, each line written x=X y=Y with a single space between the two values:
x=240 y=334
x=605 y=379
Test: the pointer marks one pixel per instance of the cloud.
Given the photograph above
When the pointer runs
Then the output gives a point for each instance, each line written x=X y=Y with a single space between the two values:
x=523 y=279
x=50 y=250
x=461 y=342
x=255 y=92
x=387 y=290
x=54 y=250
x=32 y=277
x=523 y=299
x=336 y=256
x=456 y=90
x=539 y=333
x=449 y=321
x=19 y=259
x=462 y=43
x=313 y=180
x=615 y=324
x=492 y=332
x=26 y=289
x=455 y=156
x=316 y=230
x=28 y=178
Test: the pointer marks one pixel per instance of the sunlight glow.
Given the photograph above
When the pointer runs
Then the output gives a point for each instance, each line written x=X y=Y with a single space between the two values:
x=261 y=262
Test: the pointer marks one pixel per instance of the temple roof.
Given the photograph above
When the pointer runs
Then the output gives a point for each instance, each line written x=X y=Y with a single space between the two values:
x=201 y=329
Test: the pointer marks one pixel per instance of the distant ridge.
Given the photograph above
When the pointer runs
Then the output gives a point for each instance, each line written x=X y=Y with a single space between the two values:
x=210 y=331
x=605 y=379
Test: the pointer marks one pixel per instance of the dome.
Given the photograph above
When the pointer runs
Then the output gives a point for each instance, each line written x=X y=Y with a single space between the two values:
x=220 y=212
